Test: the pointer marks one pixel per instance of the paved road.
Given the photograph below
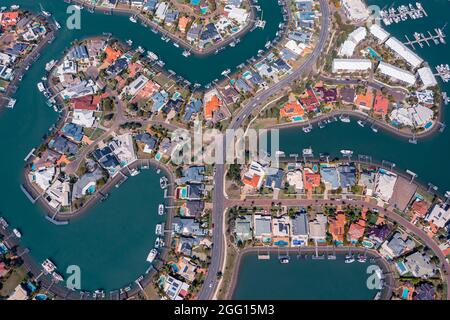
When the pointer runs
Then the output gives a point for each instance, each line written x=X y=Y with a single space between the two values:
x=411 y=228
x=211 y=281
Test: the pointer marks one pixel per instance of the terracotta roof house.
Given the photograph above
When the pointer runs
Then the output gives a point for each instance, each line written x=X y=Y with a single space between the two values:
x=381 y=104
x=211 y=106
x=309 y=100
x=292 y=109
x=365 y=101
x=336 y=229
x=311 y=179
x=356 y=230
x=420 y=207
x=182 y=24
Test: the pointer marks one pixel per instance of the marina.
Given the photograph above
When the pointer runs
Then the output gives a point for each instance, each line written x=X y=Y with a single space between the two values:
x=443 y=71
x=402 y=13
x=428 y=38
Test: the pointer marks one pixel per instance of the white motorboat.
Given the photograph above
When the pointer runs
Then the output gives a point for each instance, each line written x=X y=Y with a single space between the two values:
x=50 y=65
x=361 y=123
x=306 y=129
x=163 y=182
x=308 y=152
x=152 y=255
x=11 y=103
x=350 y=260
x=152 y=56
x=158 y=229
x=17 y=233
x=57 y=276
x=284 y=260
x=344 y=119
x=134 y=172
x=347 y=153
x=133 y=19
x=161 y=209
x=41 y=87
x=48 y=266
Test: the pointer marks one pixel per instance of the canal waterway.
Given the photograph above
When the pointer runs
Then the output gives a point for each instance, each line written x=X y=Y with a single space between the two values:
x=111 y=242
x=429 y=158
x=304 y=279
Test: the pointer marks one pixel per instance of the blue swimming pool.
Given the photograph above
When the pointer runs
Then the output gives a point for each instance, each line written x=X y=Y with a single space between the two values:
x=405 y=293
x=428 y=125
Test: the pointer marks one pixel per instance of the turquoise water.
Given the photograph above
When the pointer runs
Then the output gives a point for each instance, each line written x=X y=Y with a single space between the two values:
x=304 y=279
x=429 y=158
x=111 y=242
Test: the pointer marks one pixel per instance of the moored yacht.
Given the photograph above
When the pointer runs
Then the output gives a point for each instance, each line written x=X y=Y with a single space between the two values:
x=161 y=209
x=152 y=255
x=48 y=266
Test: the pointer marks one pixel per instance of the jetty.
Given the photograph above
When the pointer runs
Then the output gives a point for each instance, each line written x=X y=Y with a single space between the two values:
x=443 y=71
x=428 y=38
x=402 y=13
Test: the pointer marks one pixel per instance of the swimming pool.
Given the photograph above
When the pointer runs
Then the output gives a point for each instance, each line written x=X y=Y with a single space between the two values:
x=368 y=244
x=297 y=118
x=428 y=125
x=374 y=54
x=401 y=267
x=183 y=192
x=405 y=293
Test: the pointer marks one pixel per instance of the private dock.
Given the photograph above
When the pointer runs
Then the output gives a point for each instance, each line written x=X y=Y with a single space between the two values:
x=438 y=37
x=443 y=71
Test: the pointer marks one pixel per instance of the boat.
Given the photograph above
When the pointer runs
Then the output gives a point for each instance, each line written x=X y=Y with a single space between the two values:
x=347 y=153
x=159 y=243
x=161 y=209
x=186 y=53
x=99 y=294
x=152 y=56
x=48 y=266
x=374 y=129
x=232 y=44
x=344 y=119
x=321 y=125
x=176 y=45
x=362 y=258
x=11 y=103
x=130 y=42
x=58 y=26
x=134 y=172
x=57 y=276
x=152 y=255
x=349 y=259
x=284 y=260
x=163 y=182
x=17 y=233
x=13 y=7
x=41 y=87
x=133 y=19
x=49 y=66
x=361 y=123
x=306 y=129
x=158 y=229
x=308 y=152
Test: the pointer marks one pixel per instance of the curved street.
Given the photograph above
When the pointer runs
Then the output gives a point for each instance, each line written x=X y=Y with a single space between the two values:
x=217 y=257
